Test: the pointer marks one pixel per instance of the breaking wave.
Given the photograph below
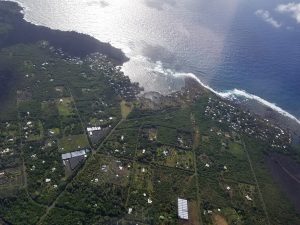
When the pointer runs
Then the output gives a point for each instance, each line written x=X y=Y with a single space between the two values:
x=235 y=93
x=229 y=94
x=159 y=68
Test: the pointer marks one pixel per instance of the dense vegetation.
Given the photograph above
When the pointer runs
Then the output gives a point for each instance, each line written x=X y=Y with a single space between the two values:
x=140 y=157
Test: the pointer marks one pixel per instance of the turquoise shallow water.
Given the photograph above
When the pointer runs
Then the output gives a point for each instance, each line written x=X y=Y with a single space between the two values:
x=235 y=44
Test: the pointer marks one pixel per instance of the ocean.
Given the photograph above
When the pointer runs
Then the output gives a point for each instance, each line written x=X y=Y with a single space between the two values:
x=236 y=48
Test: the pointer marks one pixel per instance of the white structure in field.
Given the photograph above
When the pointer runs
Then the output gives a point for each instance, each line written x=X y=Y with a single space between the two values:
x=183 y=211
x=91 y=129
x=70 y=155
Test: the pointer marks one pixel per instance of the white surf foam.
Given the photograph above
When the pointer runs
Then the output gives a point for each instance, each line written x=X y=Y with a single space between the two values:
x=230 y=94
x=242 y=93
x=235 y=93
x=158 y=67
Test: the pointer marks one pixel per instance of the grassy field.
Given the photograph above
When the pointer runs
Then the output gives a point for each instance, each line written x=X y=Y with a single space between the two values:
x=73 y=143
x=122 y=143
x=218 y=219
x=147 y=158
x=65 y=106
x=12 y=182
x=237 y=150
x=126 y=108
x=172 y=157
x=54 y=131
x=103 y=169
x=39 y=134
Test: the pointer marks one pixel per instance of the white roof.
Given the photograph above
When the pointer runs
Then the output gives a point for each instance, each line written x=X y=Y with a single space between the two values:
x=183 y=212
x=73 y=154
x=93 y=128
x=66 y=156
x=78 y=153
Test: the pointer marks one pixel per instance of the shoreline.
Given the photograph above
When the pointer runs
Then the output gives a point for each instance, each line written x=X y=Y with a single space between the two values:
x=232 y=95
x=251 y=102
x=226 y=94
x=196 y=88
x=236 y=93
x=72 y=42
x=266 y=109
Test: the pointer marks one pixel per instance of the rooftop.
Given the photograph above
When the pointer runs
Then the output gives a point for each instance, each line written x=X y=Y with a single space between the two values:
x=183 y=209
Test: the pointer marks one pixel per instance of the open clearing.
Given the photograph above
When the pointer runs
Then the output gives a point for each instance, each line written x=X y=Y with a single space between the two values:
x=64 y=106
x=73 y=143
x=218 y=219
x=126 y=108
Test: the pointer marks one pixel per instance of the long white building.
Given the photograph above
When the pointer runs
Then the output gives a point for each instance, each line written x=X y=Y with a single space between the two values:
x=183 y=212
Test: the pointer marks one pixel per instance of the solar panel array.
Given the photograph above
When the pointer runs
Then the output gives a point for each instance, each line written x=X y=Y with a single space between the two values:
x=183 y=212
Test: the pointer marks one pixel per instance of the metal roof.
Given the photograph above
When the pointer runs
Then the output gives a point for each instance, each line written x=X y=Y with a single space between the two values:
x=78 y=153
x=66 y=156
x=74 y=154
x=183 y=212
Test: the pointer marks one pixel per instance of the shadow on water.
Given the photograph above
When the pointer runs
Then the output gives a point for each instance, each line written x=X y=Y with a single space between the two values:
x=75 y=44
x=15 y=30
x=286 y=172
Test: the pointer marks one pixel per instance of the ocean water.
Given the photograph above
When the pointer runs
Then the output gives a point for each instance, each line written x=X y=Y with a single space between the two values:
x=237 y=48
